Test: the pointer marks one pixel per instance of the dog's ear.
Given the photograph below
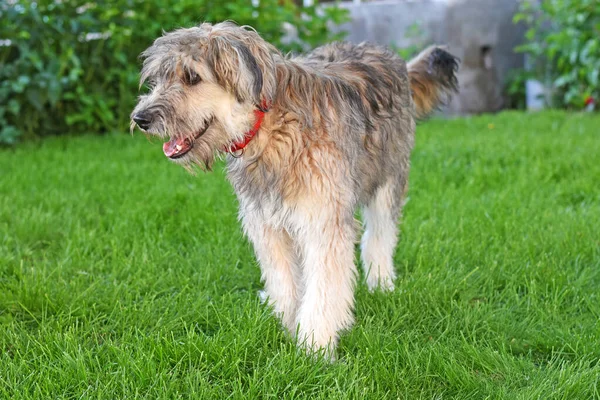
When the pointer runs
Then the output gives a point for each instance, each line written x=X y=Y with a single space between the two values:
x=236 y=68
x=246 y=73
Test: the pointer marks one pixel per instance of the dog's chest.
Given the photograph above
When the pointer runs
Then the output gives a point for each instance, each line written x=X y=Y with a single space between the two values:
x=269 y=209
x=260 y=197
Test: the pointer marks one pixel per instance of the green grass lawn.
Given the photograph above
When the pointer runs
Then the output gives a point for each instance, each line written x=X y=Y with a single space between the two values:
x=122 y=276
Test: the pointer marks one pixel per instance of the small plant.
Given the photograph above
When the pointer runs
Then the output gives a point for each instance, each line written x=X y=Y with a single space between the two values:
x=416 y=35
x=514 y=89
x=564 y=39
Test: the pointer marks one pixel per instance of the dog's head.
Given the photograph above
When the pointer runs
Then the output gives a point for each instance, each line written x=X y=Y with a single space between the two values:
x=205 y=82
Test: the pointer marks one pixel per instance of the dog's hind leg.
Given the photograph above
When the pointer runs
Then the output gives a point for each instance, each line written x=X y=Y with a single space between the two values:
x=379 y=240
x=327 y=246
x=278 y=263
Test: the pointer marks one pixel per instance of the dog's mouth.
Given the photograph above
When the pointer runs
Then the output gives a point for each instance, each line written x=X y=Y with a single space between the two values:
x=178 y=147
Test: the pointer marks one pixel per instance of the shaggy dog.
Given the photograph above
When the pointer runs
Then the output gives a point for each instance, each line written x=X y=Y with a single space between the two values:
x=308 y=140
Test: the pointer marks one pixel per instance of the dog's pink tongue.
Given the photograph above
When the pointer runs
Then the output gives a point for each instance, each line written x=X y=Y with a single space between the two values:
x=176 y=147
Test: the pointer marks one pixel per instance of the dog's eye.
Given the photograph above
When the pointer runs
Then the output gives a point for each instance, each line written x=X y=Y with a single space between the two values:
x=150 y=84
x=191 y=78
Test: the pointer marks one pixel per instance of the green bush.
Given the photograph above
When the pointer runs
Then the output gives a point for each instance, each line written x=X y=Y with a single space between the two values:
x=563 y=39
x=72 y=66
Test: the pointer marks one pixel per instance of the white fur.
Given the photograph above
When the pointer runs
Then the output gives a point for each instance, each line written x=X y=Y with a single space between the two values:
x=380 y=239
x=278 y=261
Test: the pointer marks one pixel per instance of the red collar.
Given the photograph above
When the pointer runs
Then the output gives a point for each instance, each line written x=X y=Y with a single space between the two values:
x=259 y=114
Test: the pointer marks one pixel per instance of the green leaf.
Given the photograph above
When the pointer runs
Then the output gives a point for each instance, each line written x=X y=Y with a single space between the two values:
x=14 y=107
x=593 y=75
x=36 y=98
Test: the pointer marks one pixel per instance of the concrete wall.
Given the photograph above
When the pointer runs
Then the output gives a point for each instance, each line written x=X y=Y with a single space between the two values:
x=479 y=32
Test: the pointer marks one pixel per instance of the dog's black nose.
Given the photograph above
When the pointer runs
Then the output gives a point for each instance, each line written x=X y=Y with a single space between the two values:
x=143 y=120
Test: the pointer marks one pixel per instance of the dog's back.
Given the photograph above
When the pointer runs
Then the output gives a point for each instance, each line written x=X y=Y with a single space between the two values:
x=432 y=73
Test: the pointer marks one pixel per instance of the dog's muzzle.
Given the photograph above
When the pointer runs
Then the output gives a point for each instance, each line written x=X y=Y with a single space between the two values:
x=143 y=120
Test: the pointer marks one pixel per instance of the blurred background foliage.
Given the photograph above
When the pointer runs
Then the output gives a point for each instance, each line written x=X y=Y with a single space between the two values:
x=563 y=45
x=72 y=66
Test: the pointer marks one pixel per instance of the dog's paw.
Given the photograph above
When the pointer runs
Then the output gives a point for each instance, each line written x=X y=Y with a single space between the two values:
x=315 y=351
x=385 y=285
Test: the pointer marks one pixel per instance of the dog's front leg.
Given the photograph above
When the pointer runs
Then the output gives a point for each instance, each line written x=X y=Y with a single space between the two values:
x=278 y=263
x=329 y=273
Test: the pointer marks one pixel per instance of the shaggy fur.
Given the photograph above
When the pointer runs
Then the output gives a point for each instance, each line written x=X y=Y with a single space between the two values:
x=337 y=135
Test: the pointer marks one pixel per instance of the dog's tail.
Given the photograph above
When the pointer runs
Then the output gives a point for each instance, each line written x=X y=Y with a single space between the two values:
x=432 y=76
